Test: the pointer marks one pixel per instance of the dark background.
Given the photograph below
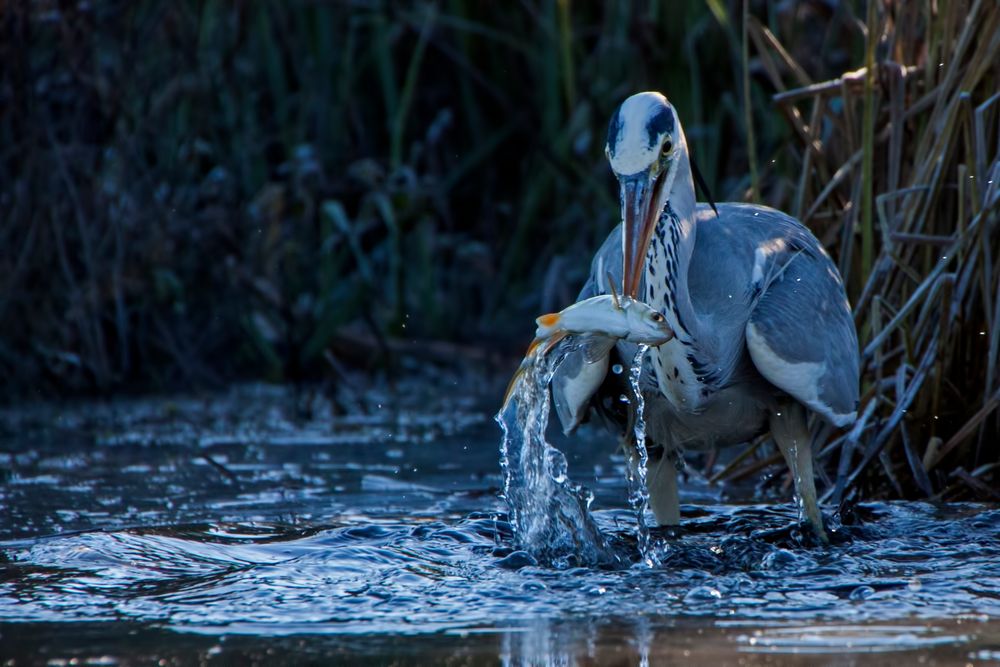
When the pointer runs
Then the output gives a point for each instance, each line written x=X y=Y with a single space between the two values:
x=193 y=193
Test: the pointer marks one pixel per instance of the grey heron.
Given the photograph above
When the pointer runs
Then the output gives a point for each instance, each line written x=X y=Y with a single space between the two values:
x=763 y=329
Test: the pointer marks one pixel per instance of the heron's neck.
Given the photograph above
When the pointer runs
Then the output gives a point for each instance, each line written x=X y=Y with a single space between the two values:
x=688 y=367
x=669 y=258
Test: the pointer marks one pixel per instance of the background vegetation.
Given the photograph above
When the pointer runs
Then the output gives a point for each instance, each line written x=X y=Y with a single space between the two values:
x=193 y=192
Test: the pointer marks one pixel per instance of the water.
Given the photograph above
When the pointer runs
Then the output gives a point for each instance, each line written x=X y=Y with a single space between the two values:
x=548 y=513
x=638 y=491
x=377 y=536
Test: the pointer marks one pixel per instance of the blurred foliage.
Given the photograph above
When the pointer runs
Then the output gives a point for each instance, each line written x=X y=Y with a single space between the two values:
x=196 y=191
x=192 y=192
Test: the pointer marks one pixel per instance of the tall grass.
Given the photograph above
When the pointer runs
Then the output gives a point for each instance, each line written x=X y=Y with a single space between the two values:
x=910 y=141
x=196 y=191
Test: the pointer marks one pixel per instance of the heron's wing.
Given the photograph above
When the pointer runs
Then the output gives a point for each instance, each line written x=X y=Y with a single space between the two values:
x=607 y=263
x=800 y=334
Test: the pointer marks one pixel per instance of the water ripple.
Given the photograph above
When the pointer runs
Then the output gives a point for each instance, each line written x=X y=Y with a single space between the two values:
x=389 y=577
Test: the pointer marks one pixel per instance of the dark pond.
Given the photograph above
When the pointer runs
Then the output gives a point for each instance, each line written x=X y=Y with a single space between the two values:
x=226 y=530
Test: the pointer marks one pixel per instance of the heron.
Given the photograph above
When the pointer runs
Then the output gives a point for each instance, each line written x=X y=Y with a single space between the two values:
x=763 y=330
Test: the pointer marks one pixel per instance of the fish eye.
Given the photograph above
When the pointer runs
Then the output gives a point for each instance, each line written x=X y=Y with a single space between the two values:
x=667 y=147
x=657 y=317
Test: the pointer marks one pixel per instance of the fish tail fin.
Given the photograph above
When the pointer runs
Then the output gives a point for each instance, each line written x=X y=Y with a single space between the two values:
x=509 y=394
x=553 y=341
x=529 y=358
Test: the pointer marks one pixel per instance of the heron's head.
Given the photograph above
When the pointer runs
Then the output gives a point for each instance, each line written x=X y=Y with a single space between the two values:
x=645 y=147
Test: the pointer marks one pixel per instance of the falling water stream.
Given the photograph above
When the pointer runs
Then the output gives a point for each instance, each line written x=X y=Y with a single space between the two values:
x=549 y=513
x=638 y=491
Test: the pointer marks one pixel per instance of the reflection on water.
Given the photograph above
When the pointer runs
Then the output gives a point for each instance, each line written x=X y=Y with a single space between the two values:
x=645 y=641
x=136 y=542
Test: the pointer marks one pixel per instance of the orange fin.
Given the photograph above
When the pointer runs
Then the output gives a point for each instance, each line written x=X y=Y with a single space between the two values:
x=548 y=320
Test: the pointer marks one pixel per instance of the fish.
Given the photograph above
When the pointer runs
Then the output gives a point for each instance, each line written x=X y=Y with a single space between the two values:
x=578 y=377
x=601 y=321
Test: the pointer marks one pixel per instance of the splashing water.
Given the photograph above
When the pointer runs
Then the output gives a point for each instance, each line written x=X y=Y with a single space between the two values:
x=549 y=513
x=320 y=553
x=636 y=468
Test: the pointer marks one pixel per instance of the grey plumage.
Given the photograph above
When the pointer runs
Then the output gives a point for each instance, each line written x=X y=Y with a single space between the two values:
x=799 y=307
x=764 y=331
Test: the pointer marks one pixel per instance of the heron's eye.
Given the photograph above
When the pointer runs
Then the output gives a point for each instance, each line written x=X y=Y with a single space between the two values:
x=657 y=317
x=667 y=147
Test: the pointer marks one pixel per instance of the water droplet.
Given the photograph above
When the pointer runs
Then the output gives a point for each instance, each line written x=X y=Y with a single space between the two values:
x=623 y=398
x=617 y=369
x=702 y=594
x=862 y=593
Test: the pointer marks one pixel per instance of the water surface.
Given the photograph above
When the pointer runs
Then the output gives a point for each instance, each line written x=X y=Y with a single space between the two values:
x=224 y=529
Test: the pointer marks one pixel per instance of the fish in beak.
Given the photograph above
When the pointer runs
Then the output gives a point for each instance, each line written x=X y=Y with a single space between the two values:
x=606 y=317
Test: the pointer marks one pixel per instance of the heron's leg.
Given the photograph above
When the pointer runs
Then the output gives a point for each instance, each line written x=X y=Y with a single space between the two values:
x=661 y=482
x=791 y=433
x=664 y=499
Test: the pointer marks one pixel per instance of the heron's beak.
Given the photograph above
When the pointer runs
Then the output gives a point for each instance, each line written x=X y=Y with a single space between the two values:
x=641 y=208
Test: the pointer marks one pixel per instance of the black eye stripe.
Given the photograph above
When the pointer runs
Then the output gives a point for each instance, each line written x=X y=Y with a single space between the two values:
x=662 y=122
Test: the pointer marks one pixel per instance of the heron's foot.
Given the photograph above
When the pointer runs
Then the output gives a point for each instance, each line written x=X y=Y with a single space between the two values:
x=666 y=532
x=791 y=535
x=814 y=519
